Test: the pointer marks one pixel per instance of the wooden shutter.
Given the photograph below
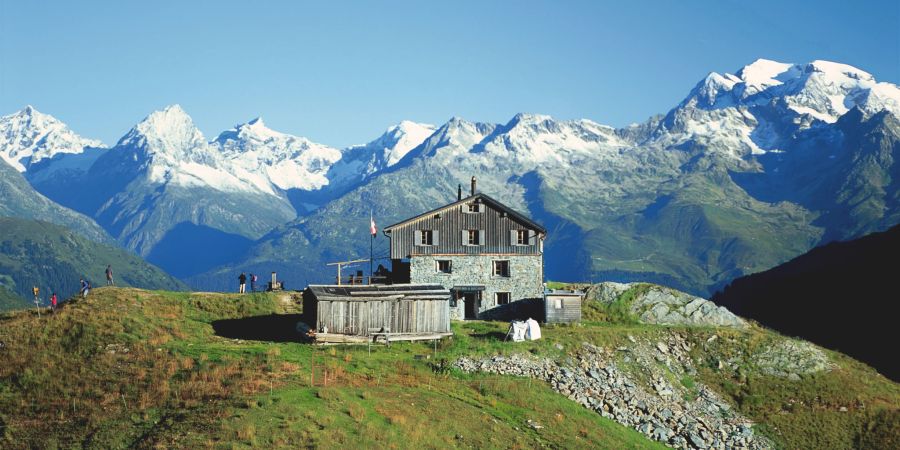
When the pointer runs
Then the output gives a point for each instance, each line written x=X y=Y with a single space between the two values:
x=464 y=237
x=418 y=237
x=480 y=237
x=435 y=237
x=532 y=237
x=513 y=237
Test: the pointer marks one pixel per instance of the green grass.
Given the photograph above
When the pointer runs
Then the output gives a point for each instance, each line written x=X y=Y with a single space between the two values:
x=806 y=413
x=160 y=377
x=134 y=368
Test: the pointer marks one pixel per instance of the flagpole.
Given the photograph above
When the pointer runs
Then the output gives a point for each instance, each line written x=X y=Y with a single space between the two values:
x=371 y=244
x=371 y=253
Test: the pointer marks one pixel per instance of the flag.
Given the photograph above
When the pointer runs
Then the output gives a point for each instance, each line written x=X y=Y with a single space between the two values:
x=372 y=228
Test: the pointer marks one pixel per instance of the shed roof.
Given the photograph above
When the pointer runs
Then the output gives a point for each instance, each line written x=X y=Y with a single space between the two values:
x=484 y=198
x=379 y=292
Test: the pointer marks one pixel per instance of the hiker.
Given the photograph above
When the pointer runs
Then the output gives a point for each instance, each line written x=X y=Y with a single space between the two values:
x=109 y=278
x=253 y=282
x=53 y=301
x=37 y=292
x=85 y=287
x=243 y=279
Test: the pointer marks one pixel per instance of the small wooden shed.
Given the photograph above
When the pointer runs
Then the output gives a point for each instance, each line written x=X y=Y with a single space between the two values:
x=395 y=312
x=562 y=306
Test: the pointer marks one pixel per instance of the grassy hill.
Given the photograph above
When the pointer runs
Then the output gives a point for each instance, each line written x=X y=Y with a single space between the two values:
x=34 y=253
x=181 y=370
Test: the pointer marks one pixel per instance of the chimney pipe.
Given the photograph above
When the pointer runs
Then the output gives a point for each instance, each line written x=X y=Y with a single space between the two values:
x=459 y=192
x=473 y=185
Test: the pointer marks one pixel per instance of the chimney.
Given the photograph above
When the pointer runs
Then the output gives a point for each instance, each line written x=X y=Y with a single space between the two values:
x=473 y=185
x=459 y=192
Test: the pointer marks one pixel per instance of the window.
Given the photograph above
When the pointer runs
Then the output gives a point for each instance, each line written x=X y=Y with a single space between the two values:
x=501 y=268
x=521 y=237
x=557 y=303
x=473 y=237
x=426 y=237
x=503 y=298
x=474 y=207
x=443 y=266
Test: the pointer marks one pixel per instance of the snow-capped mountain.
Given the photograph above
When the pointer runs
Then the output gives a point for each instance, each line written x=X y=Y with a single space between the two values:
x=171 y=150
x=361 y=161
x=748 y=171
x=256 y=152
x=29 y=136
x=823 y=90
x=760 y=107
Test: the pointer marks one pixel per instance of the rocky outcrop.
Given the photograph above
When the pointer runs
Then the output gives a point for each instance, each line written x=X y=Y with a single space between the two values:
x=661 y=399
x=660 y=305
x=790 y=359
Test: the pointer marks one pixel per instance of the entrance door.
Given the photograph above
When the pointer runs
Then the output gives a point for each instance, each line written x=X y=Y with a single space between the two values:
x=471 y=300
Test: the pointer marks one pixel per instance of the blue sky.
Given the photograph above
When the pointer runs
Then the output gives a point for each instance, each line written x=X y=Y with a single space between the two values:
x=341 y=72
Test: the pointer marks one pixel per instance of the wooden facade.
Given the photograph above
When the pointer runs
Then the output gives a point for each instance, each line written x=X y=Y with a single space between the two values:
x=377 y=309
x=497 y=228
x=562 y=306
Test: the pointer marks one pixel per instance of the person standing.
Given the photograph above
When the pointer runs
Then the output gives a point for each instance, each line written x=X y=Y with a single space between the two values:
x=252 y=282
x=243 y=279
x=53 y=302
x=84 y=288
x=109 y=276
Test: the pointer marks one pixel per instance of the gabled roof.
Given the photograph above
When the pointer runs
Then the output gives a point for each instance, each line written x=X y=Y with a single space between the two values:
x=484 y=199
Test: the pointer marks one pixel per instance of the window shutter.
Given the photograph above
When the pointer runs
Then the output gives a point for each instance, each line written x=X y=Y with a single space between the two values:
x=464 y=237
x=513 y=237
x=435 y=237
x=532 y=237
x=418 y=237
x=480 y=237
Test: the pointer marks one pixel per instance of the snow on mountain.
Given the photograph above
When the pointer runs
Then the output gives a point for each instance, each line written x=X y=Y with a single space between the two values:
x=257 y=152
x=539 y=139
x=823 y=90
x=360 y=161
x=29 y=136
x=170 y=149
x=733 y=113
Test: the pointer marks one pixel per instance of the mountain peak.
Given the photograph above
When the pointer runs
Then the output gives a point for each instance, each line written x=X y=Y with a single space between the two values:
x=529 y=118
x=28 y=136
x=170 y=130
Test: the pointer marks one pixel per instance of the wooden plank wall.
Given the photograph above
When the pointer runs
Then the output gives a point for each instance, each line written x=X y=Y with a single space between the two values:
x=399 y=316
x=451 y=222
x=570 y=311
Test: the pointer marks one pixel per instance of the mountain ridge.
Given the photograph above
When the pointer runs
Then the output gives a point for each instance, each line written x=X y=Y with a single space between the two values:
x=719 y=186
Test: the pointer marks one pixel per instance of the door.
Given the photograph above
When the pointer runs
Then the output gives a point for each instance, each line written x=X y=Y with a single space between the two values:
x=472 y=300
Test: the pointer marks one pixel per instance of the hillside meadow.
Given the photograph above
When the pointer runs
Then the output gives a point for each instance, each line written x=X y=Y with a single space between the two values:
x=129 y=368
